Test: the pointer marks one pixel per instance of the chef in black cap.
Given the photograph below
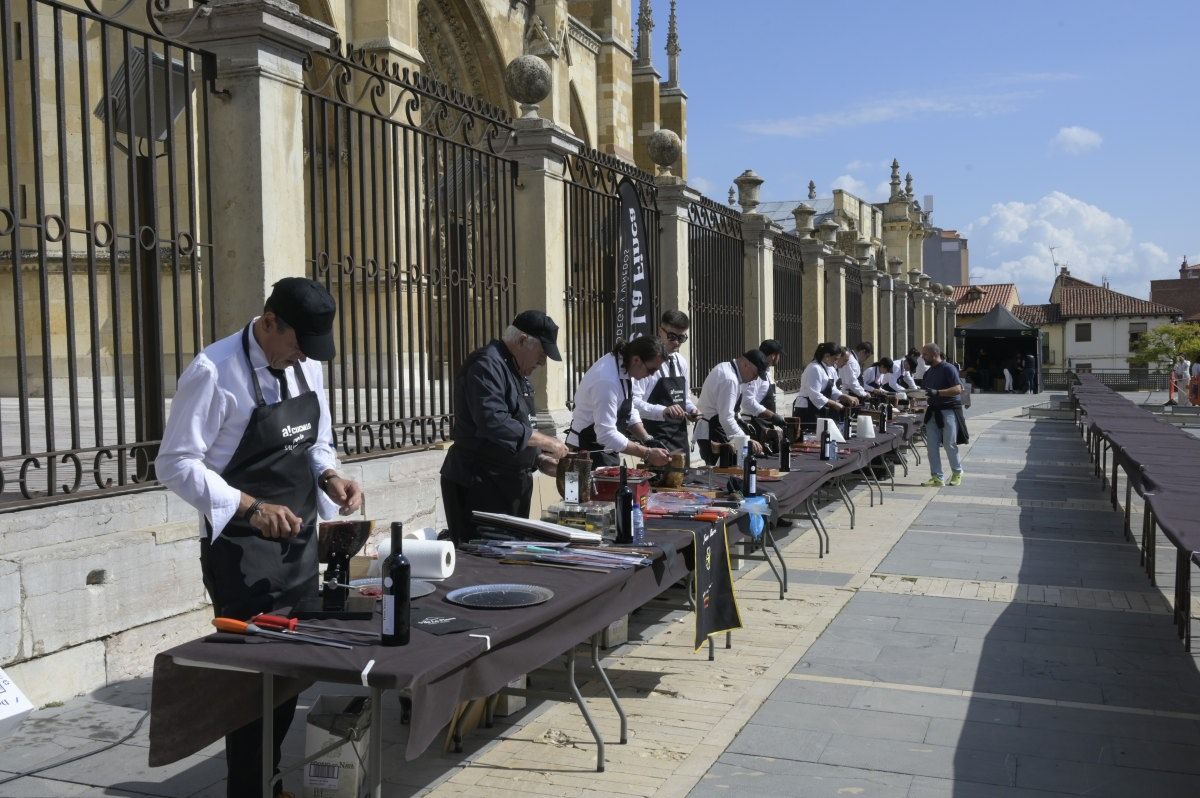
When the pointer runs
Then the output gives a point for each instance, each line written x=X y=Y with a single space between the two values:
x=719 y=398
x=249 y=444
x=496 y=445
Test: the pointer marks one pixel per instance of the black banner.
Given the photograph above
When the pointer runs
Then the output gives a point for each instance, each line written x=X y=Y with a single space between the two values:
x=635 y=317
x=716 y=605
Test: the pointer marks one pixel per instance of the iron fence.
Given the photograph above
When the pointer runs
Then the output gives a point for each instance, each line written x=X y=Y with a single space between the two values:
x=716 y=294
x=788 y=280
x=854 y=312
x=411 y=227
x=593 y=245
x=1117 y=379
x=106 y=259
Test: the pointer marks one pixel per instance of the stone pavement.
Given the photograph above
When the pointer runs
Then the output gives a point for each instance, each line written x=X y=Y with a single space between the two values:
x=956 y=642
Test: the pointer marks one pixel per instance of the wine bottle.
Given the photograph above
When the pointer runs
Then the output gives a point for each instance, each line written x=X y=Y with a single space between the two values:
x=785 y=451
x=624 y=510
x=824 y=442
x=750 y=475
x=396 y=605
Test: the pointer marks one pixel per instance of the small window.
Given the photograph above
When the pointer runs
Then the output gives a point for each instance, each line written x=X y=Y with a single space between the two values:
x=1136 y=330
x=1083 y=333
x=1083 y=368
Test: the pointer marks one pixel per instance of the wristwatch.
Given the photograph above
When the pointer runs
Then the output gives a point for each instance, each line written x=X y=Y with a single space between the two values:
x=324 y=480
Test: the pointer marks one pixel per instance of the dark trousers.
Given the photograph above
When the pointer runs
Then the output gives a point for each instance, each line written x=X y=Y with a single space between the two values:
x=243 y=753
x=489 y=492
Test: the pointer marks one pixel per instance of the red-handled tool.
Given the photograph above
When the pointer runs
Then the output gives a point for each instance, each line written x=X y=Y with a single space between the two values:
x=278 y=622
x=234 y=626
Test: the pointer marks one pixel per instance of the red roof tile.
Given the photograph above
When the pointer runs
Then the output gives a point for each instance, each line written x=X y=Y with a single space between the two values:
x=1079 y=298
x=992 y=295
x=1038 y=315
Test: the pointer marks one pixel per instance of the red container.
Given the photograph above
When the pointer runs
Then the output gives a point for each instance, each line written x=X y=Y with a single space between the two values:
x=606 y=480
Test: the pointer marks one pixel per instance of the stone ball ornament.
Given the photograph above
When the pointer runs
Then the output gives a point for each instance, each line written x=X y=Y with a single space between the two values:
x=528 y=80
x=665 y=148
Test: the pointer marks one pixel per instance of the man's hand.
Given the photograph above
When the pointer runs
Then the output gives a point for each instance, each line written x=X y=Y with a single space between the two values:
x=850 y=400
x=832 y=405
x=345 y=493
x=548 y=444
x=674 y=411
x=276 y=521
x=756 y=448
x=548 y=465
x=657 y=457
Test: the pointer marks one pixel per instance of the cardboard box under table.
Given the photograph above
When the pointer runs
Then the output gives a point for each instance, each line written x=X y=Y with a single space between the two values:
x=206 y=688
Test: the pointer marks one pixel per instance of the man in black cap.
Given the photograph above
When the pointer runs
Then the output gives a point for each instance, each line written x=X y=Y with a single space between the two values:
x=718 y=404
x=758 y=400
x=249 y=444
x=496 y=446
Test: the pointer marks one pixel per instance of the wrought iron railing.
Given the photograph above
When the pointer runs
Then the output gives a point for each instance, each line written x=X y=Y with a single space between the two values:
x=1117 y=379
x=716 y=294
x=411 y=227
x=788 y=280
x=593 y=244
x=106 y=259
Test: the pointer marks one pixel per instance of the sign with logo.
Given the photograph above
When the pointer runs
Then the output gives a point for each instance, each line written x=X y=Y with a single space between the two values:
x=634 y=315
x=716 y=604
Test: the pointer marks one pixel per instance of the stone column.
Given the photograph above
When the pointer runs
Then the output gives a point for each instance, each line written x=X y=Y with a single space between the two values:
x=884 y=331
x=921 y=318
x=612 y=20
x=674 y=197
x=901 y=335
x=938 y=306
x=256 y=162
x=758 y=233
x=870 y=304
x=541 y=150
x=835 y=288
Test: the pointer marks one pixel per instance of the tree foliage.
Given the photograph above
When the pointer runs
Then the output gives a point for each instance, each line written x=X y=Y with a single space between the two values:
x=1159 y=346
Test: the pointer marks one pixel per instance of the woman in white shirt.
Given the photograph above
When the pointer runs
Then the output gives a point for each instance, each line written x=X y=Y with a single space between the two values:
x=605 y=423
x=819 y=395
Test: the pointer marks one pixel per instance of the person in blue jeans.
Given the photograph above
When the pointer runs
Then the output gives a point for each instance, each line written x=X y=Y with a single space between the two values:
x=944 y=422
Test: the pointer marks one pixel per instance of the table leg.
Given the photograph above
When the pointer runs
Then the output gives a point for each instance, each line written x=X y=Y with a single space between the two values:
x=587 y=716
x=840 y=487
x=819 y=526
x=783 y=583
x=268 y=735
x=375 y=752
x=612 y=694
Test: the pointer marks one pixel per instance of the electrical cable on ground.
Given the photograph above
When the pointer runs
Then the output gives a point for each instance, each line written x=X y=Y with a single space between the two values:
x=78 y=757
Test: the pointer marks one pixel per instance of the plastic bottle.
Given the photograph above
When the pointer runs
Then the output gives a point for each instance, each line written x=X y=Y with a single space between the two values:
x=396 y=600
x=639 y=524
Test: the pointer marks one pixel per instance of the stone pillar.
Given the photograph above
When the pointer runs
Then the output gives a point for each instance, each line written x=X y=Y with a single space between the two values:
x=646 y=86
x=557 y=104
x=884 y=331
x=813 y=312
x=612 y=21
x=541 y=150
x=870 y=304
x=939 y=321
x=901 y=335
x=758 y=233
x=256 y=165
x=835 y=297
x=674 y=197
x=921 y=318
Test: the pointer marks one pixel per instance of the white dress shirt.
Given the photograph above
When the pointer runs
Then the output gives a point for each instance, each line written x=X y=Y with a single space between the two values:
x=753 y=393
x=922 y=367
x=812 y=381
x=597 y=400
x=718 y=397
x=849 y=375
x=212 y=406
x=644 y=387
x=1196 y=369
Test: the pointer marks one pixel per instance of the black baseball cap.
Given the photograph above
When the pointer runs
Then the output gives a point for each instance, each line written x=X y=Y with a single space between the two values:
x=308 y=308
x=542 y=327
x=759 y=360
x=770 y=347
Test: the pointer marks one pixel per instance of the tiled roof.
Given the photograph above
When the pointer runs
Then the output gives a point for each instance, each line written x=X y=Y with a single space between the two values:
x=1079 y=298
x=1037 y=315
x=993 y=294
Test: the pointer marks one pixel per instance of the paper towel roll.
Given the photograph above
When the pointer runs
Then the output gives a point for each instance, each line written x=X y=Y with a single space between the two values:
x=429 y=558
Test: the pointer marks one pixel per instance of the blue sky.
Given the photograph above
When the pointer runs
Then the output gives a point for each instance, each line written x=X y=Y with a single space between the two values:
x=1034 y=124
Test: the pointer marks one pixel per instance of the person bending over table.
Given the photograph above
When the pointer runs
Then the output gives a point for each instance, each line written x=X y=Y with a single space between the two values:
x=849 y=376
x=718 y=403
x=819 y=396
x=664 y=399
x=250 y=446
x=496 y=443
x=944 y=422
x=758 y=401
x=605 y=423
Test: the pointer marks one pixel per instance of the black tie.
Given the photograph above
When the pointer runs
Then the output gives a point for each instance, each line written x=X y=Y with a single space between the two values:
x=281 y=375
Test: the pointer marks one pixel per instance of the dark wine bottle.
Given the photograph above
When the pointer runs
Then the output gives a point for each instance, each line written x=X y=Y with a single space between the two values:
x=396 y=604
x=750 y=475
x=785 y=451
x=824 y=442
x=624 y=510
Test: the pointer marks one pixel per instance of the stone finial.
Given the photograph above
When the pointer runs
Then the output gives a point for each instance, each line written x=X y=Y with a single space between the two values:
x=895 y=181
x=936 y=288
x=828 y=231
x=924 y=280
x=645 y=24
x=908 y=189
x=673 y=48
x=748 y=185
x=732 y=196
x=862 y=251
x=528 y=80
x=948 y=290
x=803 y=214
x=665 y=148
x=812 y=189
x=895 y=266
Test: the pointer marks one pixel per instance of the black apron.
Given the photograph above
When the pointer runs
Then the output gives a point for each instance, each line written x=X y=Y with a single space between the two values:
x=670 y=390
x=586 y=437
x=760 y=429
x=808 y=414
x=244 y=572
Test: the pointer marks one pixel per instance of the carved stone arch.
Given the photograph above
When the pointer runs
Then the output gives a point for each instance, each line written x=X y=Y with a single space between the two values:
x=456 y=42
x=579 y=124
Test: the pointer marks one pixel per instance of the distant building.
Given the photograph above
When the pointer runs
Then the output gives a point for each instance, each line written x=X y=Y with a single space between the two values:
x=976 y=301
x=947 y=259
x=1090 y=327
x=1182 y=293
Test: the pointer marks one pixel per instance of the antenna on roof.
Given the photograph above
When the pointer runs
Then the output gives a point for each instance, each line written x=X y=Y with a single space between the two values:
x=1059 y=268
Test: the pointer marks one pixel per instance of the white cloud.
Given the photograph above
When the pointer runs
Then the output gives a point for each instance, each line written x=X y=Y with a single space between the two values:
x=1011 y=245
x=702 y=184
x=1076 y=140
x=867 y=166
x=860 y=189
